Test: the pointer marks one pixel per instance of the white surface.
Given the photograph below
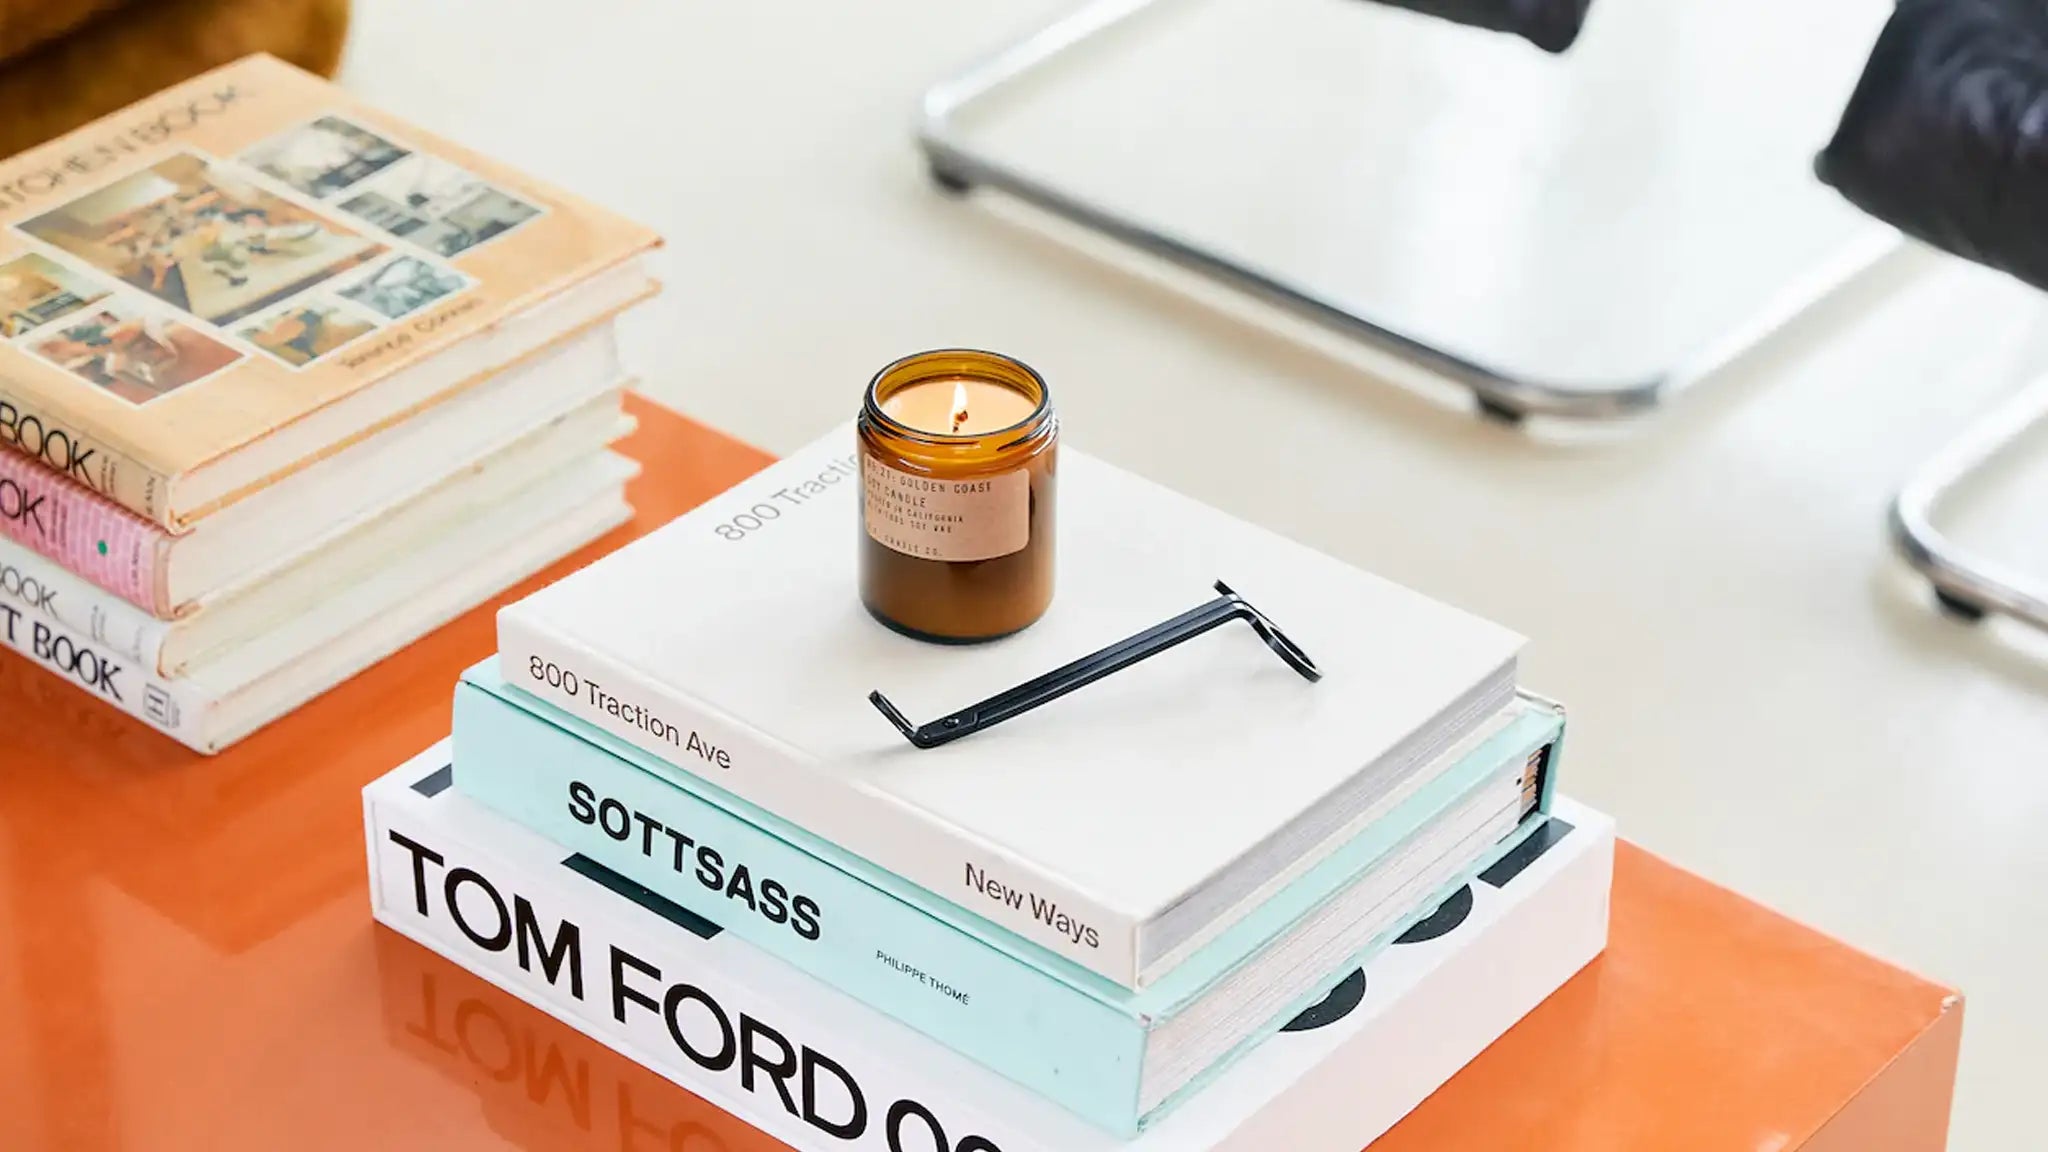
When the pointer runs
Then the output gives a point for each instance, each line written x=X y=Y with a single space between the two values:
x=1757 y=691
x=1093 y=811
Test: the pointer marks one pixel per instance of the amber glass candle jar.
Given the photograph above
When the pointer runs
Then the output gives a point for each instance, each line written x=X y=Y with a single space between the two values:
x=959 y=456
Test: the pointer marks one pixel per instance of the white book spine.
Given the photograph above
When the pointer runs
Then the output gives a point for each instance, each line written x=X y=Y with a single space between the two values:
x=168 y=706
x=980 y=877
x=41 y=588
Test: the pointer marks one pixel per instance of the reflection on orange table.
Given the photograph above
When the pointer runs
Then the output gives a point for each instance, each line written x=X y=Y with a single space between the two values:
x=186 y=954
x=187 y=964
x=541 y=1084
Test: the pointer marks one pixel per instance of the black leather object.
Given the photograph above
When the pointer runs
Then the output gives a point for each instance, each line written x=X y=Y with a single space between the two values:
x=1946 y=135
x=1551 y=25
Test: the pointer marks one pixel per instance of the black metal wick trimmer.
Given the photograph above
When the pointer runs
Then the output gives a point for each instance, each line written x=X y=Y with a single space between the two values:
x=1088 y=669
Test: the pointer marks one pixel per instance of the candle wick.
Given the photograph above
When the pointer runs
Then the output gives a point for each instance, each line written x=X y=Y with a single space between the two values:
x=959 y=407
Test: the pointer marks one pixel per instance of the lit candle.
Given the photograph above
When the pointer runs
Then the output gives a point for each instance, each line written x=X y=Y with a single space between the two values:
x=957 y=406
x=958 y=453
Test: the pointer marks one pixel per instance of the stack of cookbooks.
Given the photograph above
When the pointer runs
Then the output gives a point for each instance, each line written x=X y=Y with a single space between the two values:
x=284 y=384
x=1200 y=904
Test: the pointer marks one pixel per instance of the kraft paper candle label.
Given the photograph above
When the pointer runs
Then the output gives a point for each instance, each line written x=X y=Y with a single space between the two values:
x=934 y=518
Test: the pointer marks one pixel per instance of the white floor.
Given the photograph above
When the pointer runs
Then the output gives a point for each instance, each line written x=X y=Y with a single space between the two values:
x=1757 y=691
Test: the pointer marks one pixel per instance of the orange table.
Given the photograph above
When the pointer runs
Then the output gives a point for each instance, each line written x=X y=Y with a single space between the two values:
x=187 y=962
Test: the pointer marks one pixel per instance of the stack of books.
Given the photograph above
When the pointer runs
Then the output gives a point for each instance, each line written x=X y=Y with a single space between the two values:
x=1201 y=904
x=284 y=384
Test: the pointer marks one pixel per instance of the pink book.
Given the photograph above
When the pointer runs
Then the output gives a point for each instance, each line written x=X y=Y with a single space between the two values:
x=86 y=533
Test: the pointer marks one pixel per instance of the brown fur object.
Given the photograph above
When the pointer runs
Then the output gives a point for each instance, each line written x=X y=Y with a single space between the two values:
x=27 y=23
x=126 y=53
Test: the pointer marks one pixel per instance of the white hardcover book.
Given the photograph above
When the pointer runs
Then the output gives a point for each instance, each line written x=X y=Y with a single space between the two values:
x=40 y=588
x=477 y=538
x=1123 y=827
x=179 y=710
x=820 y=1072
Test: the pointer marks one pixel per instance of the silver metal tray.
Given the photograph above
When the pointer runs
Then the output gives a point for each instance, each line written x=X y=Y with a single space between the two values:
x=1579 y=235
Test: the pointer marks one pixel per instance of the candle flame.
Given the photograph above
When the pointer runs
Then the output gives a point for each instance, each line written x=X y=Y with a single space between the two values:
x=959 y=406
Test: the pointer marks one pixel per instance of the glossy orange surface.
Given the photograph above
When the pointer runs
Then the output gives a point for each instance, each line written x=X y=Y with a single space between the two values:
x=187 y=962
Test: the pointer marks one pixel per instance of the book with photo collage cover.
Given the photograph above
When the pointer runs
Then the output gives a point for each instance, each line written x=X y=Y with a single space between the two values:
x=245 y=273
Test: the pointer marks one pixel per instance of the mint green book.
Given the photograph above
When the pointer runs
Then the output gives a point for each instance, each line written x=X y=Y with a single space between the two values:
x=1117 y=1057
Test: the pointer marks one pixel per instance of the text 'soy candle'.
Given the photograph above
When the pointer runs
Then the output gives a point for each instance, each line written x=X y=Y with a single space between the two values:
x=959 y=455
